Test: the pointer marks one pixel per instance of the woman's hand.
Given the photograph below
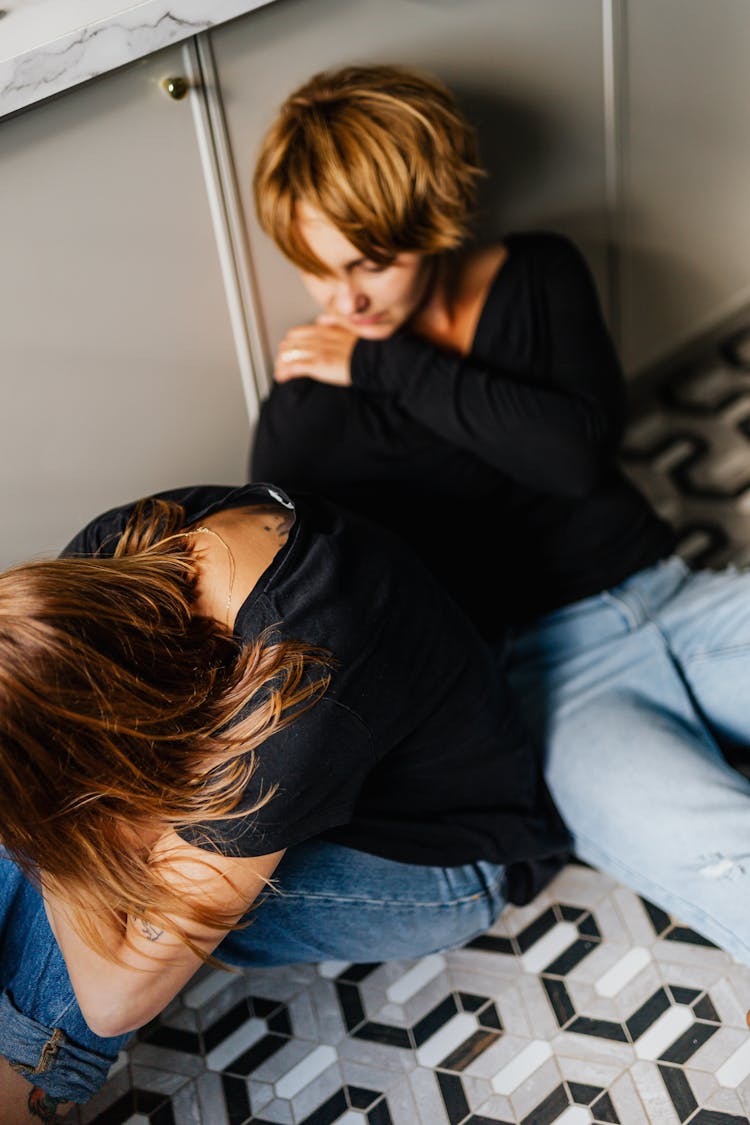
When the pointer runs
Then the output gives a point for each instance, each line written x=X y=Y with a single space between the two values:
x=321 y=350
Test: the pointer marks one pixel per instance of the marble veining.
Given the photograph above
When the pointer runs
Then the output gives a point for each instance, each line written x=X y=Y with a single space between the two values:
x=47 y=46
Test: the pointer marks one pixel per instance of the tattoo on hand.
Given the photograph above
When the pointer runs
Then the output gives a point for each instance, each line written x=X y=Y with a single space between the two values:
x=149 y=931
x=43 y=1105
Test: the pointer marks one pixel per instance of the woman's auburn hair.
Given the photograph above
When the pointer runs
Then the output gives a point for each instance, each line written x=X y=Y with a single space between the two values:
x=382 y=152
x=122 y=711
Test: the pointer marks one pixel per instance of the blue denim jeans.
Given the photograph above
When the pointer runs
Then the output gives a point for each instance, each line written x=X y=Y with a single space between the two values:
x=42 y=1032
x=634 y=693
x=335 y=904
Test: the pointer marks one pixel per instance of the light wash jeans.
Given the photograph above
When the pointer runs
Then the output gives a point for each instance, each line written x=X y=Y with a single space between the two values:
x=633 y=692
x=336 y=904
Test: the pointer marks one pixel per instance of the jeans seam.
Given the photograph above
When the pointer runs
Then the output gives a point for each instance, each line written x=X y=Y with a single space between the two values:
x=710 y=654
x=361 y=901
x=620 y=605
x=61 y=1015
x=497 y=884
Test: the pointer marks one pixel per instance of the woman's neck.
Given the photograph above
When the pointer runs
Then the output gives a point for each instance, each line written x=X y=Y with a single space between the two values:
x=232 y=551
x=450 y=313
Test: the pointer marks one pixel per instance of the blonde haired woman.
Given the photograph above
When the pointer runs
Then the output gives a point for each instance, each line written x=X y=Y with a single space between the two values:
x=469 y=397
x=219 y=696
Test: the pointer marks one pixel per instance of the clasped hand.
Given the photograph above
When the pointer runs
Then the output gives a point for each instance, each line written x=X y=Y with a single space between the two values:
x=321 y=350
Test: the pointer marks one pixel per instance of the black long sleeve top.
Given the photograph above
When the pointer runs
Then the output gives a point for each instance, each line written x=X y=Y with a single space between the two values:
x=501 y=466
x=416 y=752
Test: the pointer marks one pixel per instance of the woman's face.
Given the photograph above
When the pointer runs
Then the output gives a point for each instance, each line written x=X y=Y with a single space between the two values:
x=369 y=299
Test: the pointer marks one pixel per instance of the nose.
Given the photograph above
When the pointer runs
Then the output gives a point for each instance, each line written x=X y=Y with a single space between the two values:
x=347 y=299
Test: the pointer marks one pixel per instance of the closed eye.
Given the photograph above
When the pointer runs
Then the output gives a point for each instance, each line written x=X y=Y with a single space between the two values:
x=375 y=267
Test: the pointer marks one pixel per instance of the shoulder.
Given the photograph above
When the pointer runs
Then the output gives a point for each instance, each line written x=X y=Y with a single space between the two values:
x=553 y=267
x=546 y=248
x=547 y=259
x=101 y=534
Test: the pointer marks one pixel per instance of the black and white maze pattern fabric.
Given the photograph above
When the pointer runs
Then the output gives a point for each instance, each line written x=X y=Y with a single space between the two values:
x=589 y=1005
x=689 y=451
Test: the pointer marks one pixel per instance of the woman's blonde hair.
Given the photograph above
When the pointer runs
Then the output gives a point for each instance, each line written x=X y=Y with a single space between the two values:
x=382 y=152
x=121 y=711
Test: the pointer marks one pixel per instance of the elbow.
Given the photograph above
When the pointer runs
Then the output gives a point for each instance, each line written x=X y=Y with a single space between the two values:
x=106 y=1029
x=111 y=1026
x=110 y=1021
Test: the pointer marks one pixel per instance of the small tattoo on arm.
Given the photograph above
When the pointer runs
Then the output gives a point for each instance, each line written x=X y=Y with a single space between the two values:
x=149 y=931
x=280 y=530
x=279 y=522
x=44 y=1106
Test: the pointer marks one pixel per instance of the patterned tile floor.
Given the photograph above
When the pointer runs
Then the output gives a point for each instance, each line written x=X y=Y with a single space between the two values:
x=589 y=1005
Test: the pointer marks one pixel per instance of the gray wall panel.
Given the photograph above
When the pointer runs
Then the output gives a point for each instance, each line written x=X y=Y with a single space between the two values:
x=686 y=174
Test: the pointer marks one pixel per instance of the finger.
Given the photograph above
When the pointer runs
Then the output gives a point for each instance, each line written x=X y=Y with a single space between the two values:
x=294 y=355
x=286 y=370
x=300 y=336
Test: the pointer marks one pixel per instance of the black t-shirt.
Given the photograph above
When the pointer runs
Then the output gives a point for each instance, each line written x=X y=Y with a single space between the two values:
x=415 y=752
x=513 y=447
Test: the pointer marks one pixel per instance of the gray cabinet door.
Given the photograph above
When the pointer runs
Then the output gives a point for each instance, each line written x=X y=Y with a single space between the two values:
x=528 y=71
x=119 y=374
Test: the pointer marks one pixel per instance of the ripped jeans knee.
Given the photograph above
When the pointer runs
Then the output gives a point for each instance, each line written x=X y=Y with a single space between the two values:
x=721 y=867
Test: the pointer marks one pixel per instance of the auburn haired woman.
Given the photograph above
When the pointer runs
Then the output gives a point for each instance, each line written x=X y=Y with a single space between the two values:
x=469 y=397
x=219 y=694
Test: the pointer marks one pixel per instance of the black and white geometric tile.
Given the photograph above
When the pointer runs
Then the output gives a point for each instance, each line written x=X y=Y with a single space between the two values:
x=589 y=1005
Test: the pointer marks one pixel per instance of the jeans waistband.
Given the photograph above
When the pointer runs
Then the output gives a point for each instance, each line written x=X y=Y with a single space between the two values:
x=619 y=610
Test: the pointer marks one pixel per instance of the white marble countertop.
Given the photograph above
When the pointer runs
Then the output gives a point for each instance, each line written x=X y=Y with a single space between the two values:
x=47 y=46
